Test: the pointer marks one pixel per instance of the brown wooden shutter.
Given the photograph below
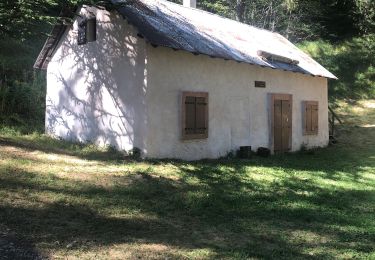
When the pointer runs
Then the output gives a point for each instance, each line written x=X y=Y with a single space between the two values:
x=311 y=115
x=190 y=115
x=200 y=115
x=91 y=30
x=195 y=115
x=314 y=118
x=307 y=118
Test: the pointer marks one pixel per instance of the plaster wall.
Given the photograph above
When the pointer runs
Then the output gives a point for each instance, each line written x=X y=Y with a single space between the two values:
x=96 y=92
x=238 y=112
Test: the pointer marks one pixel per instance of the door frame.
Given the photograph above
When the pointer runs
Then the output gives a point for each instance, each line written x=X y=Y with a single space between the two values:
x=277 y=96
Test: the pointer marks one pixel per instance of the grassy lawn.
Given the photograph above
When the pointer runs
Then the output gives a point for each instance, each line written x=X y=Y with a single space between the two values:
x=74 y=201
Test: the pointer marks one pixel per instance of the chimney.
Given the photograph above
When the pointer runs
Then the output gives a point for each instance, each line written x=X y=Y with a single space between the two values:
x=190 y=3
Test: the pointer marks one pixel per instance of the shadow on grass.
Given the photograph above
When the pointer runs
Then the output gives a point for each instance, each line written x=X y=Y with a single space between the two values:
x=49 y=145
x=12 y=247
x=173 y=222
x=214 y=205
x=355 y=154
x=225 y=212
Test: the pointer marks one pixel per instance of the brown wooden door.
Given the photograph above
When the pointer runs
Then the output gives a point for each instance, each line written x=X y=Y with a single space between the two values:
x=282 y=125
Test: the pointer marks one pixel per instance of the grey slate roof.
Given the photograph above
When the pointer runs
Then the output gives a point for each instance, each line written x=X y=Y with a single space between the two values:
x=163 y=23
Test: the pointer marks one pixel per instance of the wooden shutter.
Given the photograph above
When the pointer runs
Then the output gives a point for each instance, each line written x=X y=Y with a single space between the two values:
x=200 y=115
x=307 y=118
x=314 y=118
x=190 y=115
x=86 y=31
x=91 y=30
x=194 y=115
x=311 y=116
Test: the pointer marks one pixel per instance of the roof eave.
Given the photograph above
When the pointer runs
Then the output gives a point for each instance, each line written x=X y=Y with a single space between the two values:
x=53 y=39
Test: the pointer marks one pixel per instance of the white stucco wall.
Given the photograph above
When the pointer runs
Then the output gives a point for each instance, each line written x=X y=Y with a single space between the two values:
x=96 y=92
x=238 y=112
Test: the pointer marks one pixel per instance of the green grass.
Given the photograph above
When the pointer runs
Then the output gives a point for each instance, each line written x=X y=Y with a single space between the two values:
x=79 y=201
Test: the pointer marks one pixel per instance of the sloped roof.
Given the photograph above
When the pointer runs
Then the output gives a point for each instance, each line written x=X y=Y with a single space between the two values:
x=52 y=40
x=163 y=23
x=48 y=49
x=172 y=25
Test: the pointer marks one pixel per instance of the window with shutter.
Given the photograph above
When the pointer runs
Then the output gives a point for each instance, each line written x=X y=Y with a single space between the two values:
x=311 y=116
x=86 y=31
x=91 y=30
x=194 y=115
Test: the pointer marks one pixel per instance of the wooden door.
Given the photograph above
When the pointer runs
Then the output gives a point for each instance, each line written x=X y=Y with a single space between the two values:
x=281 y=122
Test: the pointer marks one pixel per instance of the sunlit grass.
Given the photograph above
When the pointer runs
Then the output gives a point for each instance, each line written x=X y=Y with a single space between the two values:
x=82 y=202
x=358 y=113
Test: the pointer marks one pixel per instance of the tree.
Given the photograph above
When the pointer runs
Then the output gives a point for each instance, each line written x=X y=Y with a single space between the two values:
x=20 y=18
x=365 y=16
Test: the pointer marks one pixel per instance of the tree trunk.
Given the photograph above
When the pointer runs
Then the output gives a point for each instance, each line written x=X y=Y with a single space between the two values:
x=240 y=10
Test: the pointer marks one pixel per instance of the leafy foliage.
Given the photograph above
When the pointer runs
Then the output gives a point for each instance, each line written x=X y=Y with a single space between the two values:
x=22 y=90
x=300 y=19
x=20 y=18
x=24 y=25
x=352 y=61
x=365 y=13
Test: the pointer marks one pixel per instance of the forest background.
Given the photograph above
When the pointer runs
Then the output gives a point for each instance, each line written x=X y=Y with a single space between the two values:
x=340 y=34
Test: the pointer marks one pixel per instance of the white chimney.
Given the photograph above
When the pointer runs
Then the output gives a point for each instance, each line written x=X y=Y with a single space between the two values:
x=190 y=3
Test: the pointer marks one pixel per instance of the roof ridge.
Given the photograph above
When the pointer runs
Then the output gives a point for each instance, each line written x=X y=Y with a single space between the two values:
x=234 y=41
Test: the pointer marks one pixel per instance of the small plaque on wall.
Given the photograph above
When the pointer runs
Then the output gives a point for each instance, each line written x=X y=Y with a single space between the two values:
x=260 y=84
